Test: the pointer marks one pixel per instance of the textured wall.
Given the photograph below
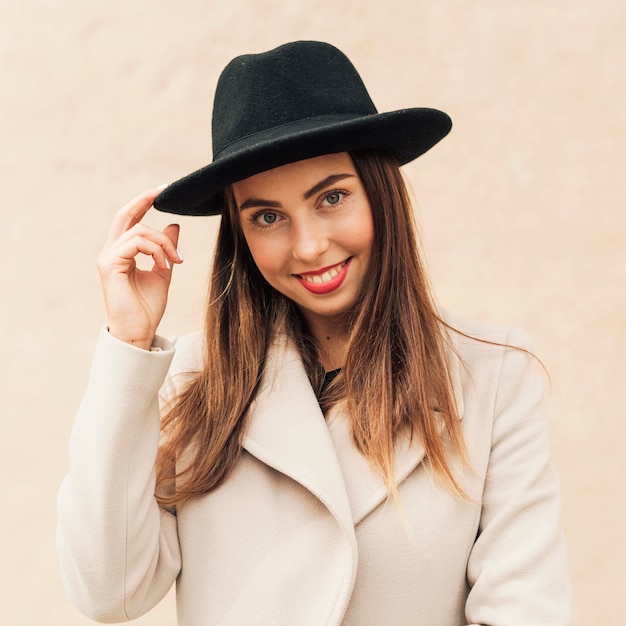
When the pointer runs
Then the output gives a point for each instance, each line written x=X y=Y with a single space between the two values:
x=521 y=208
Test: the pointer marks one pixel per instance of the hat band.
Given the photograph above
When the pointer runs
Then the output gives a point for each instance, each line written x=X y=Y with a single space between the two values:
x=284 y=132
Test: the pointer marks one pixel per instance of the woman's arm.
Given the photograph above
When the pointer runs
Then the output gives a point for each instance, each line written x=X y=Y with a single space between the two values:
x=118 y=549
x=518 y=569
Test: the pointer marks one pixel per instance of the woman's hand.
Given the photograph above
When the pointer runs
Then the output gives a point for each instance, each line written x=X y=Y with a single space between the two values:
x=135 y=299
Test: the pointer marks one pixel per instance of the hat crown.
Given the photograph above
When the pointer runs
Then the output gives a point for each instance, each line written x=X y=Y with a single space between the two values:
x=298 y=101
x=292 y=83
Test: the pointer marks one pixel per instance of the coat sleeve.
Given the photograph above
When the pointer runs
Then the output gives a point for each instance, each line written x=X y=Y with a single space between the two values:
x=118 y=550
x=518 y=569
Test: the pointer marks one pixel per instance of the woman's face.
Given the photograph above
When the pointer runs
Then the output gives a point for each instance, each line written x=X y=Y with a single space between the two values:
x=309 y=228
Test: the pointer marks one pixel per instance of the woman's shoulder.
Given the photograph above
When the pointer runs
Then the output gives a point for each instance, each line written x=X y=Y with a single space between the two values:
x=471 y=335
x=489 y=360
x=480 y=352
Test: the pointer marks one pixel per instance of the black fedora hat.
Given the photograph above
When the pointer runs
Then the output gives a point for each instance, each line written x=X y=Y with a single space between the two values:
x=298 y=101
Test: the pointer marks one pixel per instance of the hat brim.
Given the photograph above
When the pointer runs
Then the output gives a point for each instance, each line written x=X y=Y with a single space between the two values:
x=406 y=134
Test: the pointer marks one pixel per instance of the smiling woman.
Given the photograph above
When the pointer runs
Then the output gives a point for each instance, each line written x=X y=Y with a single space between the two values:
x=316 y=249
x=251 y=464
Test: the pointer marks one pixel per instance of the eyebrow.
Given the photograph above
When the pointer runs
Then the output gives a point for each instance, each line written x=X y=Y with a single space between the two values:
x=326 y=182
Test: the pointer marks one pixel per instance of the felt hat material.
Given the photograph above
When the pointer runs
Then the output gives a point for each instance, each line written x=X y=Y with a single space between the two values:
x=297 y=101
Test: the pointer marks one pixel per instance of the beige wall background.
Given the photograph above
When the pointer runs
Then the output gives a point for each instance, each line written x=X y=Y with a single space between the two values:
x=522 y=212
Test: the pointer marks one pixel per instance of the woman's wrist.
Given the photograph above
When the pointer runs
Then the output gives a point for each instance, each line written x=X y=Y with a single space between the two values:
x=145 y=343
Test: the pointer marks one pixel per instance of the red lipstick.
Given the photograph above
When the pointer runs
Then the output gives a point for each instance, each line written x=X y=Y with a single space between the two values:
x=324 y=280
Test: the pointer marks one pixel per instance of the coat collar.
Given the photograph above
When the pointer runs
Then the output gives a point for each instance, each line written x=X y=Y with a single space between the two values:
x=287 y=431
x=455 y=364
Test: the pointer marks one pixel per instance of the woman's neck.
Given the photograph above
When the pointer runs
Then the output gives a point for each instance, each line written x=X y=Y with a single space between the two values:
x=332 y=338
x=333 y=351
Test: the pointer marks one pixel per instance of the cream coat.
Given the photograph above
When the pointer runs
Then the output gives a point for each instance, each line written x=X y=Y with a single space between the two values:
x=300 y=533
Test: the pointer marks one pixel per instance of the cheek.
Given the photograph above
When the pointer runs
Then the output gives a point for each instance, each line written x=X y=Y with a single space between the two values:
x=368 y=235
x=264 y=255
x=362 y=234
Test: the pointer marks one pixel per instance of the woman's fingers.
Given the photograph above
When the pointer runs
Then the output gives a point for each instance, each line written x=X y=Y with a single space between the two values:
x=172 y=231
x=128 y=250
x=142 y=239
x=132 y=213
x=135 y=299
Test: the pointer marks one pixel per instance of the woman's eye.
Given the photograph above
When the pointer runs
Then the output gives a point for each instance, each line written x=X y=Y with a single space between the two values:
x=333 y=197
x=266 y=218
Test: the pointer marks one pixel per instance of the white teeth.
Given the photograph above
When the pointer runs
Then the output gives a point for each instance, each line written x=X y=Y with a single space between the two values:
x=320 y=279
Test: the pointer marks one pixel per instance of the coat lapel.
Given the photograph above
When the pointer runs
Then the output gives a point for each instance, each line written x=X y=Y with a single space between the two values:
x=366 y=489
x=288 y=432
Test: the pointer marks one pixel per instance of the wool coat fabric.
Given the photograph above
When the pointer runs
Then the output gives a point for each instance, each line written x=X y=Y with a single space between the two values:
x=301 y=532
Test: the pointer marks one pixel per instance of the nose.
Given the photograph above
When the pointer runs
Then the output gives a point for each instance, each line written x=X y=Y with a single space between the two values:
x=309 y=239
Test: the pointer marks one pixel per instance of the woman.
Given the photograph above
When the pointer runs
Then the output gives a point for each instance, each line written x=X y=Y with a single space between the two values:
x=325 y=384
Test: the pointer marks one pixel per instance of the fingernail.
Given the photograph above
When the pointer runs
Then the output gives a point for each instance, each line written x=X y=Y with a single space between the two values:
x=180 y=256
x=167 y=264
x=162 y=187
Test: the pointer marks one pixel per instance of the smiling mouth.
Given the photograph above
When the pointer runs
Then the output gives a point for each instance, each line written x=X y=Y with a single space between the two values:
x=324 y=277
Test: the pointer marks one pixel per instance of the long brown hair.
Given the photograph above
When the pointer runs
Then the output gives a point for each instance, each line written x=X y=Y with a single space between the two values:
x=395 y=381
